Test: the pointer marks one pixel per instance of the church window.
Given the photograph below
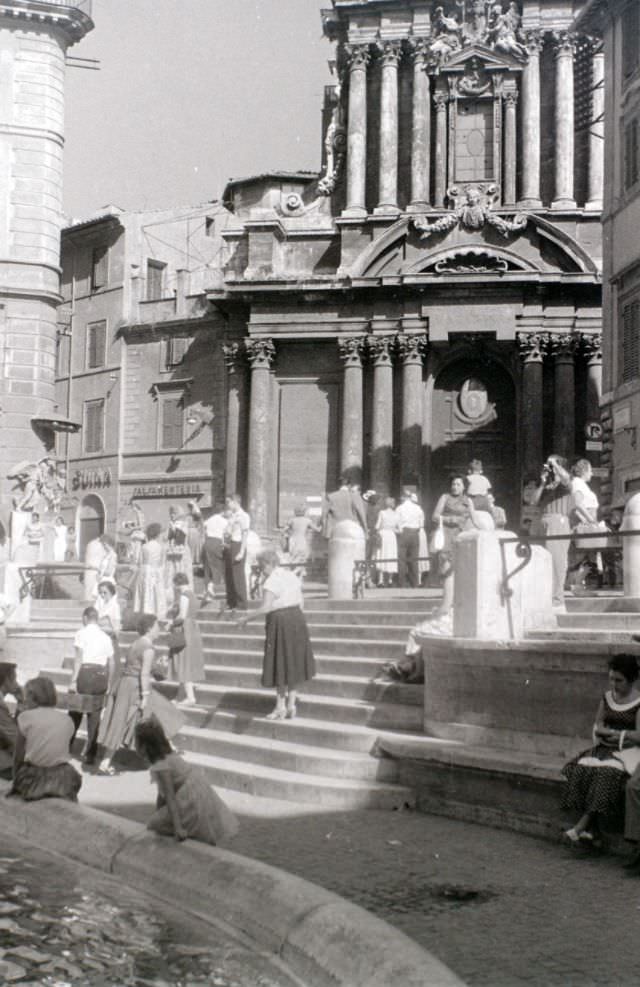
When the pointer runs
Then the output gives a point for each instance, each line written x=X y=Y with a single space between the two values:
x=96 y=345
x=99 y=267
x=631 y=340
x=93 y=430
x=171 y=431
x=474 y=141
x=631 y=169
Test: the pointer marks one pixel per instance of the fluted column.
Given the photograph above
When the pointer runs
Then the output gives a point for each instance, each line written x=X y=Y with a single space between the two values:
x=440 y=100
x=596 y=131
x=234 y=357
x=510 y=151
x=351 y=439
x=531 y=124
x=532 y=346
x=563 y=347
x=357 y=130
x=261 y=353
x=564 y=117
x=381 y=349
x=388 y=174
x=411 y=350
x=420 y=128
x=592 y=345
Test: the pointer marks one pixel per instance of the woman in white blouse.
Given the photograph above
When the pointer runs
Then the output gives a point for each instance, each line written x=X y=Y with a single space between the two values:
x=584 y=510
x=288 y=658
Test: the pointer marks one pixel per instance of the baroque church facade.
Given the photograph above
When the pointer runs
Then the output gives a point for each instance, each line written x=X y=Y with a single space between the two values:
x=433 y=294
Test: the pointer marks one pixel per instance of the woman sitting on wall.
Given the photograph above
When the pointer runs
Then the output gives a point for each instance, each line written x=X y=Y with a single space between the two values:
x=41 y=766
x=596 y=779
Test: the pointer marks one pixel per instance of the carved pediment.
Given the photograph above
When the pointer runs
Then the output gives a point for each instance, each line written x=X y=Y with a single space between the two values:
x=477 y=28
x=471 y=260
x=488 y=60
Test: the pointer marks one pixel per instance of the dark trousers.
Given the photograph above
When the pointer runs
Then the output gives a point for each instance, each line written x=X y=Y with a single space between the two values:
x=213 y=555
x=93 y=725
x=408 y=551
x=235 y=578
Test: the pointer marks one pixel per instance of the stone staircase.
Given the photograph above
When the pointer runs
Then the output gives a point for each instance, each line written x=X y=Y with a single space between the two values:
x=329 y=754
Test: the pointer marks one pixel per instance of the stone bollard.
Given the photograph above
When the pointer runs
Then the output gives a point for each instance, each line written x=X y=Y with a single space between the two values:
x=346 y=546
x=631 y=547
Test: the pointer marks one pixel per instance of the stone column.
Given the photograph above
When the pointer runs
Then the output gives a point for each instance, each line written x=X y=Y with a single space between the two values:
x=596 y=131
x=388 y=174
x=351 y=350
x=509 y=183
x=411 y=350
x=357 y=130
x=592 y=345
x=532 y=346
x=261 y=353
x=421 y=129
x=381 y=348
x=530 y=197
x=234 y=477
x=563 y=347
x=564 y=117
x=440 y=99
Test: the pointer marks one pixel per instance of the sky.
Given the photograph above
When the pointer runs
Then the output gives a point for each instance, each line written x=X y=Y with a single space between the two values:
x=189 y=94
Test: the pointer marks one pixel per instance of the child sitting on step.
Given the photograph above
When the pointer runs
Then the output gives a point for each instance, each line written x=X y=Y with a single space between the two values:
x=187 y=806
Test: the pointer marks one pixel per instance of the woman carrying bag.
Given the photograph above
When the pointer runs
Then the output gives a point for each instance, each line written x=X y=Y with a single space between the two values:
x=185 y=642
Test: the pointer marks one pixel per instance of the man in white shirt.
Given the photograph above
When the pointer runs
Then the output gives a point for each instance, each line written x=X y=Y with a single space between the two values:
x=410 y=519
x=235 y=553
x=215 y=528
x=93 y=672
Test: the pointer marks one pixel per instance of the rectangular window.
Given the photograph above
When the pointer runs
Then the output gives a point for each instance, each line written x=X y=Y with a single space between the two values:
x=171 y=422
x=155 y=279
x=99 y=267
x=630 y=22
x=175 y=351
x=96 y=345
x=631 y=171
x=631 y=340
x=93 y=426
x=474 y=141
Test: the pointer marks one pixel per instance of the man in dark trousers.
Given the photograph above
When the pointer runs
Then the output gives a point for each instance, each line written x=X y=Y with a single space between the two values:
x=235 y=553
x=410 y=519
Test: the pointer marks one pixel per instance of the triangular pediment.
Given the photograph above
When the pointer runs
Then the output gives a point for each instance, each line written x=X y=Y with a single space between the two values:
x=487 y=58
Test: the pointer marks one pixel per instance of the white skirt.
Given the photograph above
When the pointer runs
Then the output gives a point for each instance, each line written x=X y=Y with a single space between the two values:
x=388 y=550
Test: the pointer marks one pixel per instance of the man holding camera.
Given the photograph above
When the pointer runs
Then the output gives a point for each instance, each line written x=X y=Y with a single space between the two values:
x=553 y=497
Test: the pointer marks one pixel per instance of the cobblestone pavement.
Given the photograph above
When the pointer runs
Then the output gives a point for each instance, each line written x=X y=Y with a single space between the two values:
x=501 y=909
x=63 y=926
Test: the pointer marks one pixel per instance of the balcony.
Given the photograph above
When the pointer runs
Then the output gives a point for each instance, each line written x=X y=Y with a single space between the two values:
x=74 y=15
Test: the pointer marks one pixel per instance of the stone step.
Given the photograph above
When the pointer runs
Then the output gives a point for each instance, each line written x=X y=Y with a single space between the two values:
x=365 y=668
x=584 y=634
x=287 y=755
x=343 y=687
x=382 y=649
x=383 y=603
x=600 y=621
x=390 y=631
x=325 y=792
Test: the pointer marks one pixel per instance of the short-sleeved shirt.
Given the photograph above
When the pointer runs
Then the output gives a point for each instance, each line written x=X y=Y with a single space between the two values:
x=216 y=526
x=410 y=515
x=238 y=525
x=478 y=485
x=47 y=733
x=285 y=587
x=95 y=645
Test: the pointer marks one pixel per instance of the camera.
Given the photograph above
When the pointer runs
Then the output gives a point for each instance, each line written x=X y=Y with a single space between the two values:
x=548 y=473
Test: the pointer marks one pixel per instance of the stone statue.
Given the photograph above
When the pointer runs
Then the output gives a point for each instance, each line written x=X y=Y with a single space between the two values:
x=475 y=22
x=504 y=30
x=472 y=211
x=447 y=33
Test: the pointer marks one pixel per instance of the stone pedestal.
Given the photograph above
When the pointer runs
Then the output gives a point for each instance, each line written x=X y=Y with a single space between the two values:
x=346 y=546
x=631 y=547
x=481 y=610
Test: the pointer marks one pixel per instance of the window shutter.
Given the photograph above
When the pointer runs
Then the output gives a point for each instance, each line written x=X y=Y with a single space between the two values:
x=630 y=38
x=631 y=340
x=172 y=423
x=96 y=356
x=94 y=426
x=155 y=279
x=99 y=267
x=176 y=351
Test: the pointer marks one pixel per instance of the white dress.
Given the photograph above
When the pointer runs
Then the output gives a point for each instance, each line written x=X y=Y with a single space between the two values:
x=386 y=526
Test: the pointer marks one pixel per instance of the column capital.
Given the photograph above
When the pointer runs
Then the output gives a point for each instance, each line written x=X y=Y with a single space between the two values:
x=261 y=353
x=532 y=346
x=440 y=100
x=419 y=51
x=389 y=52
x=358 y=56
x=564 y=43
x=563 y=346
x=233 y=356
x=381 y=349
x=351 y=349
x=411 y=349
x=592 y=346
x=534 y=42
x=511 y=97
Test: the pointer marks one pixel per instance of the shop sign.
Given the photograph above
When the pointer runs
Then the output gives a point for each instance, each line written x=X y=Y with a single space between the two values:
x=168 y=490
x=91 y=479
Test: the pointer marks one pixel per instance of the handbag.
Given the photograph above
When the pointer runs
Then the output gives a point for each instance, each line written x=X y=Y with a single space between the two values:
x=160 y=668
x=437 y=539
x=592 y=544
x=176 y=640
x=630 y=758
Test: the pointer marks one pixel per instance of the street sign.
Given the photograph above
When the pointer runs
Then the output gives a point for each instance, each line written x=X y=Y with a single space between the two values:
x=593 y=431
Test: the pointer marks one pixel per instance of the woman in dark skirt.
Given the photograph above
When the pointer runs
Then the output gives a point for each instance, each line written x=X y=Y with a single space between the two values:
x=41 y=765
x=596 y=779
x=288 y=658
